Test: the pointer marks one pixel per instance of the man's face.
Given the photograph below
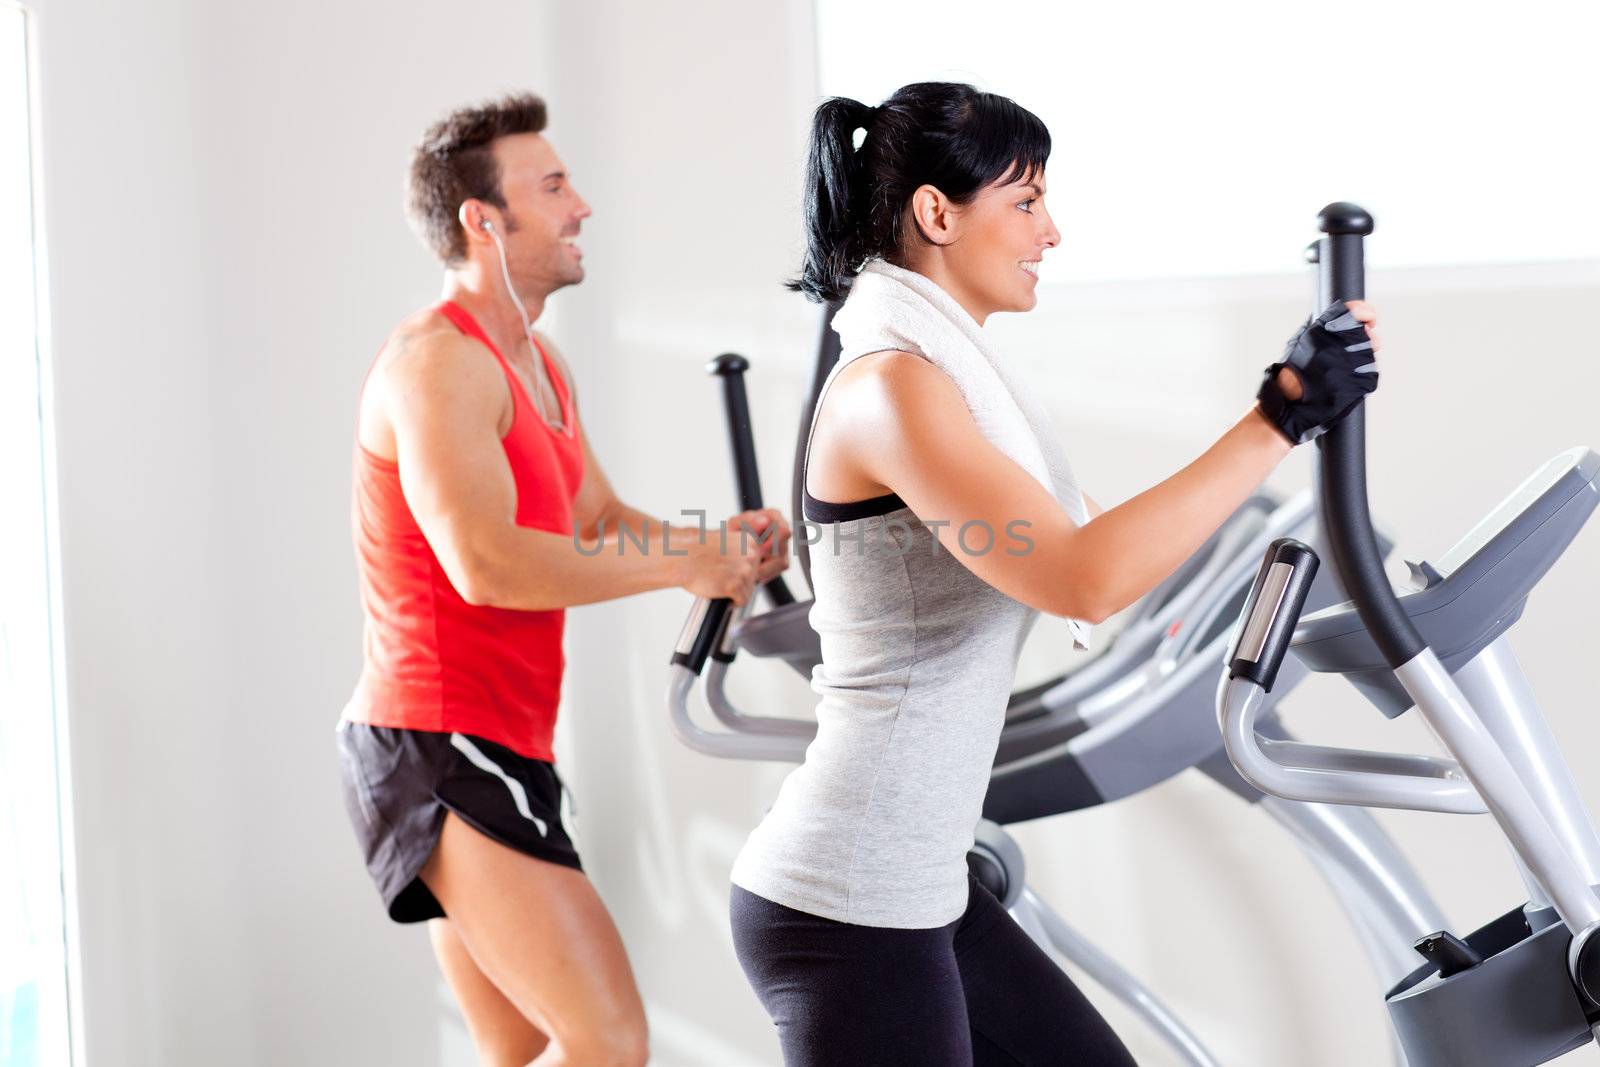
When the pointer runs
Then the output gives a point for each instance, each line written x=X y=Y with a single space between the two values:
x=544 y=212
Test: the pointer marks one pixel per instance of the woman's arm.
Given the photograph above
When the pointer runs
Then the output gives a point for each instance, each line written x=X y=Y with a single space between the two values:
x=900 y=425
x=895 y=423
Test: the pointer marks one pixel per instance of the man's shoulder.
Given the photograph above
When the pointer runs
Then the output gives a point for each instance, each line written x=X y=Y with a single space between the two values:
x=426 y=344
x=427 y=365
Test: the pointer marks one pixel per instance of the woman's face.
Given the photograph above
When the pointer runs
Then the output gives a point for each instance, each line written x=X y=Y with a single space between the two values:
x=996 y=242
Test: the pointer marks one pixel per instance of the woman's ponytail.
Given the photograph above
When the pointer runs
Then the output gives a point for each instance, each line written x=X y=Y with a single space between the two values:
x=833 y=200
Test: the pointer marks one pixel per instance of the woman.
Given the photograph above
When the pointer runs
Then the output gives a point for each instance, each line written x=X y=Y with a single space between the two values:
x=951 y=517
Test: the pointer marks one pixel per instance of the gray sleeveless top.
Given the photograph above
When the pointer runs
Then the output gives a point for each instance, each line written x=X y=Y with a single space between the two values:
x=919 y=656
x=918 y=659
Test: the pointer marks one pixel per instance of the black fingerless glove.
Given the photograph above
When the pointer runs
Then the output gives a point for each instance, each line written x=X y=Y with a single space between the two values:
x=1332 y=357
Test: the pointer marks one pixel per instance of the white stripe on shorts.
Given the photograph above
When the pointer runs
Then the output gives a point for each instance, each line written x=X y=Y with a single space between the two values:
x=519 y=796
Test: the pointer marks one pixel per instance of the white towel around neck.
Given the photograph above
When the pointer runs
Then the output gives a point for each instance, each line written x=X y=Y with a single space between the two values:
x=893 y=308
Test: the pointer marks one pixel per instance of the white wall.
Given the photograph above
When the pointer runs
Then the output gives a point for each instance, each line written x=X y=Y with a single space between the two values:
x=1199 y=132
x=222 y=186
x=691 y=149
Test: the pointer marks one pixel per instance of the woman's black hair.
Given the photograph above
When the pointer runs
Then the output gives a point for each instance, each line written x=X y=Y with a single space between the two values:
x=945 y=134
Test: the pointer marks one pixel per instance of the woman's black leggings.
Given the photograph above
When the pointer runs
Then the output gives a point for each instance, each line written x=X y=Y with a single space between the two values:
x=977 y=992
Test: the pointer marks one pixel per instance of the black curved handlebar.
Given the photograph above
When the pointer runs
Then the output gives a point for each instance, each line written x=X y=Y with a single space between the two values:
x=730 y=367
x=1346 y=517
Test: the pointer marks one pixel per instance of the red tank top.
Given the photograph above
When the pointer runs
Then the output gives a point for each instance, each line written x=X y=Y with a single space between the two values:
x=431 y=661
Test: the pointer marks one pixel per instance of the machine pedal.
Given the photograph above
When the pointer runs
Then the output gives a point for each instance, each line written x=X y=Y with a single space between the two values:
x=1448 y=953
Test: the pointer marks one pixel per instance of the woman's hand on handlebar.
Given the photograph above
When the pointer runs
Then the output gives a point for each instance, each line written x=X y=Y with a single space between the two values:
x=1327 y=368
x=1367 y=315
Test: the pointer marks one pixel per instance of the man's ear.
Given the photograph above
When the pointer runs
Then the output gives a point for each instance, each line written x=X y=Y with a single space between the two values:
x=477 y=219
x=934 y=215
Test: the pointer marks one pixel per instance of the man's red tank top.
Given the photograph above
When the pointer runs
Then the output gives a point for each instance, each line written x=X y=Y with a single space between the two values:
x=432 y=661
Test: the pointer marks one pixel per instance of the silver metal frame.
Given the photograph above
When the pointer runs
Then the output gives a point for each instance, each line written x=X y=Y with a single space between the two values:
x=1386 y=901
x=1318 y=774
x=1502 y=756
x=1505 y=762
x=1051 y=933
x=1526 y=810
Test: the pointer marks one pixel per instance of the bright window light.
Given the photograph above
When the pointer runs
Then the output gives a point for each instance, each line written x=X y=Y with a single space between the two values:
x=33 y=969
x=1195 y=140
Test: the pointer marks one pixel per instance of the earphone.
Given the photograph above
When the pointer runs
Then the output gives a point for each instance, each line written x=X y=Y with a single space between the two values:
x=539 y=372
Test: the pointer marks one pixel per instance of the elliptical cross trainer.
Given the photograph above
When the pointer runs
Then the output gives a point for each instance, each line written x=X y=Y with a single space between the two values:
x=1525 y=988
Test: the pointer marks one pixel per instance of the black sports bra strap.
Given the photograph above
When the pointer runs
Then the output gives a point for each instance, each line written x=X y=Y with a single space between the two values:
x=828 y=511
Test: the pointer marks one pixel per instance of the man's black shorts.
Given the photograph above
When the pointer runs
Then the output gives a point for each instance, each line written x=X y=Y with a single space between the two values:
x=398 y=784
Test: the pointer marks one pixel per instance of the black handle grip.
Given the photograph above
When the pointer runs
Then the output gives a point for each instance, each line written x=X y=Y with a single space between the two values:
x=1346 y=516
x=1271 y=611
x=1341 y=270
x=702 y=632
x=730 y=367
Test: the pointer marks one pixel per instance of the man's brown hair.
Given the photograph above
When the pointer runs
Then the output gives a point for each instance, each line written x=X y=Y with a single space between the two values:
x=453 y=163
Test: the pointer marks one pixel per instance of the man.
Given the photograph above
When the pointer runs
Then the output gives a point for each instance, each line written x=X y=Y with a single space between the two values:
x=474 y=485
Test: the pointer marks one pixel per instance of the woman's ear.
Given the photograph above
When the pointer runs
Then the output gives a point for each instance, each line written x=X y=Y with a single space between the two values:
x=933 y=215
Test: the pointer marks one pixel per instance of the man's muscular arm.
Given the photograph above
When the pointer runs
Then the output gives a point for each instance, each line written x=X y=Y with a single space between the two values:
x=444 y=399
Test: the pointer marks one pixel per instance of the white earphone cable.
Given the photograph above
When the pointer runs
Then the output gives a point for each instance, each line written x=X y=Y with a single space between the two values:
x=560 y=423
